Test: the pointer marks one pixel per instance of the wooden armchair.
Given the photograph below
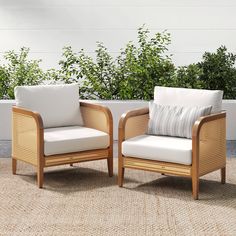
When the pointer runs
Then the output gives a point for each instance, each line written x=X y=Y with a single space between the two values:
x=44 y=147
x=207 y=148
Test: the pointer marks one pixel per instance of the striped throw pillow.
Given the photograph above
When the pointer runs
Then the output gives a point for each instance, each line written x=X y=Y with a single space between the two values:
x=174 y=120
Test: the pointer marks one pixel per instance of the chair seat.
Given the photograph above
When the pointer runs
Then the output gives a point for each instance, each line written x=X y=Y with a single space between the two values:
x=159 y=148
x=73 y=139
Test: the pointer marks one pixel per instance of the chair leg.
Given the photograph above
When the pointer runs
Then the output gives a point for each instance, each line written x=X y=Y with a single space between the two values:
x=110 y=166
x=121 y=177
x=195 y=187
x=121 y=171
x=40 y=176
x=223 y=175
x=14 y=165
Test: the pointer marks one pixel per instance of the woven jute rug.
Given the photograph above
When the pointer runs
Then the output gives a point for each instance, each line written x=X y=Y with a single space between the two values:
x=83 y=200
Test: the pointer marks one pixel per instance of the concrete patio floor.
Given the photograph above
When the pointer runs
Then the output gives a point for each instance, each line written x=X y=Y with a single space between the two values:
x=5 y=149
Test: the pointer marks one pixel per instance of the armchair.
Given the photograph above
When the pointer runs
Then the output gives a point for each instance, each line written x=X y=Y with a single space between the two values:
x=37 y=142
x=193 y=158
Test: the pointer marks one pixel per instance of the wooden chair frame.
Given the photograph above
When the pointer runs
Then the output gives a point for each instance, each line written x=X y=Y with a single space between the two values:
x=28 y=139
x=208 y=148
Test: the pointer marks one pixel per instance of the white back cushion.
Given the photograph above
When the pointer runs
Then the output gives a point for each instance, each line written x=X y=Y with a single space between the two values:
x=189 y=97
x=58 y=105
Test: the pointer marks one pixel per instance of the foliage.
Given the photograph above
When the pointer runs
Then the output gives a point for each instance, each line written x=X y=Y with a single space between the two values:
x=219 y=72
x=19 y=70
x=100 y=76
x=188 y=77
x=69 y=71
x=144 y=66
x=215 y=71
x=133 y=74
x=4 y=83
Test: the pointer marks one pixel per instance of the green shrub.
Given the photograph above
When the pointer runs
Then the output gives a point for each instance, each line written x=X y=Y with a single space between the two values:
x=215 y=71
x=133 y=74
x=144 y=66
x=219 y=72
x=100 y=76
x=188 y=77
x=19 y=70
x=4 y=83
x=69 y=71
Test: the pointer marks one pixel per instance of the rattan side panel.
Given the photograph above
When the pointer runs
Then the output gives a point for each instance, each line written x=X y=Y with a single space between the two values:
x=24 y=142
x=212 y=147
x=95 y=119
x=136 y=125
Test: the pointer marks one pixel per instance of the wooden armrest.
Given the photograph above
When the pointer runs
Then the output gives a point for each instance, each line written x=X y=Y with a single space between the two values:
x=209 y=143
x=204 y=119
x=97 y=117
x=133 y=123
x=27 y=135
x=25 y=112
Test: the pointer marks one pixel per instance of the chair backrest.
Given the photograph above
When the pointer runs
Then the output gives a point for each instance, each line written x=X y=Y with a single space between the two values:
x=58 y=105
x=189 y=97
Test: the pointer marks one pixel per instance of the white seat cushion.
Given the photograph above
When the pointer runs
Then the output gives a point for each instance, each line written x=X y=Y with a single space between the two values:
x=189 y=97
x=58 y=105
x=73 y=139
x=160 y=148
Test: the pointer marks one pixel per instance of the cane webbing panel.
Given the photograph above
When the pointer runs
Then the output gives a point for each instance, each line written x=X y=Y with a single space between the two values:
x=95 y=119
x=136 y=125
x=24 y=140
x=212 y=146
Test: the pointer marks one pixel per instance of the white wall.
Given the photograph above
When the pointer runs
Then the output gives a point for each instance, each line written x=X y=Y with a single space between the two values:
x=117 y=108
x=47 y=25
